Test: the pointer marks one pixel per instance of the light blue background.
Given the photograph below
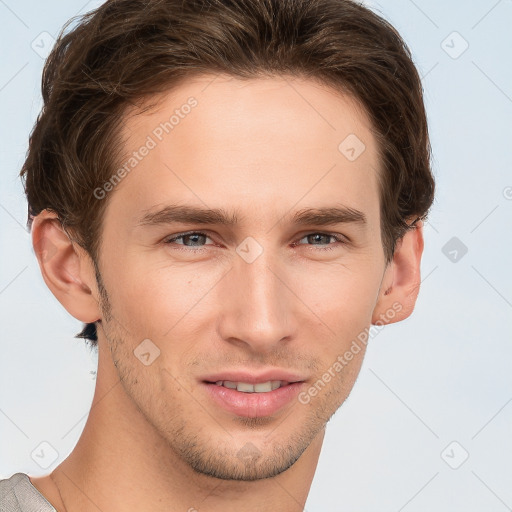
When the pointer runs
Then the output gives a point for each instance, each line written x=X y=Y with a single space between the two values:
x=443 y=375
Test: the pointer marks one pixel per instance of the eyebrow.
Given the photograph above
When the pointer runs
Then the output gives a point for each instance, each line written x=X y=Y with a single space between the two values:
x=193 y=215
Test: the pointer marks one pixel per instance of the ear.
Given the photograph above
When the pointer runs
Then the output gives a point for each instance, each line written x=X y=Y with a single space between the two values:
x=67 y=269
x=401 y=281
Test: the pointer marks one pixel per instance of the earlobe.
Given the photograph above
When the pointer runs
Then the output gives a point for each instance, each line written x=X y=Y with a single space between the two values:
x=65 y=267
x=401 y=282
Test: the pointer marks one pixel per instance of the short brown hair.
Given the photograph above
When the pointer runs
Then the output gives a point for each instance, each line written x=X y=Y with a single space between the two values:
x=127 y=50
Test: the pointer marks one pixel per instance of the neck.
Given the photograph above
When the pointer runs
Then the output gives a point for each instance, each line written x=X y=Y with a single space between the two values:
x=122 y=463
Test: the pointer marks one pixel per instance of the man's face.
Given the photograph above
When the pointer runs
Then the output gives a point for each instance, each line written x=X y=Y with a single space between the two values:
x=258 y=300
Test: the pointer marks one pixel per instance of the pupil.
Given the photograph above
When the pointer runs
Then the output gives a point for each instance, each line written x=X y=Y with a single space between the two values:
x=316 y=237
x=194 y=242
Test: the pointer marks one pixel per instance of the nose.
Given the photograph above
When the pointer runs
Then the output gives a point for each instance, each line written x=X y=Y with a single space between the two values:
x=257 y=305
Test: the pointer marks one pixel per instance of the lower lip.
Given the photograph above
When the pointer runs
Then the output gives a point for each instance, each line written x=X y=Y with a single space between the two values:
x=253 y=405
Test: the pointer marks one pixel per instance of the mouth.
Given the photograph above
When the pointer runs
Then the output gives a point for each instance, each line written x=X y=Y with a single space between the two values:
x=252 y=397
x=247 y=387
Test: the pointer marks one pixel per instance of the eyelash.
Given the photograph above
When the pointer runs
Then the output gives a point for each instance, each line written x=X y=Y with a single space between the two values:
x=181 y=235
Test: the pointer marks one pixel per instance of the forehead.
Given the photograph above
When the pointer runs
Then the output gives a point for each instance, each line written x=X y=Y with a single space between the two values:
x=217 y=140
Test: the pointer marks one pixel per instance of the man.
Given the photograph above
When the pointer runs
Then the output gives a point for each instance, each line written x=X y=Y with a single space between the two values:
x=228 y=194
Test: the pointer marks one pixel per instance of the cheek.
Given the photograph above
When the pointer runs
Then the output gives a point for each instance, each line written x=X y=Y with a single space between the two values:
x=160 y=299
x=343 y=296
x=343 y=300
x=154 y=299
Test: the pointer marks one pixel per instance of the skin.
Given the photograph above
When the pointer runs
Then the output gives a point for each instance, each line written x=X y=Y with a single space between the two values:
x=154 y=440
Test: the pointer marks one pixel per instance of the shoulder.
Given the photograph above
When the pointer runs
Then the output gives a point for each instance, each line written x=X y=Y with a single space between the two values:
x=17 y=494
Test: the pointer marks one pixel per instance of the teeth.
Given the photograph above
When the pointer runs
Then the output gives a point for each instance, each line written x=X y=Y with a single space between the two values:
x=245 y=387
x=264 y=387
x=276 y=384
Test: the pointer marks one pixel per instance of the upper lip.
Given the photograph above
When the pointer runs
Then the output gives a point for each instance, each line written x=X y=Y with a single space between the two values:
x=252 y=377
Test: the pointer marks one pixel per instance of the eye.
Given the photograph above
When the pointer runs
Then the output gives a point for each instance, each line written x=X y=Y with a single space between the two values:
x=191 y=239
x=198 y=239
x=316 y=239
